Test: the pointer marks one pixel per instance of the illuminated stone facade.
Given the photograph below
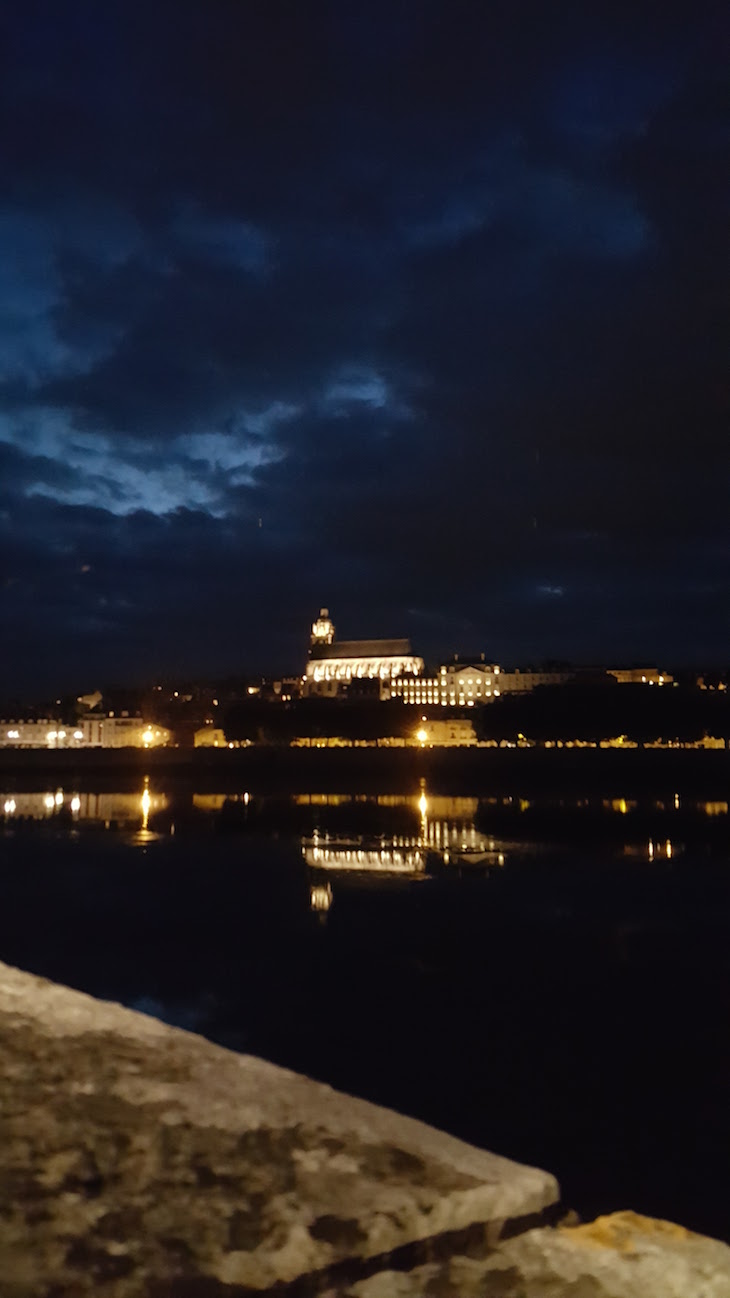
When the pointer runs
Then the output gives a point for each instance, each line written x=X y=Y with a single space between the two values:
x=90 y=732
x=334 y=665
x=450 y=732
x=458 y=684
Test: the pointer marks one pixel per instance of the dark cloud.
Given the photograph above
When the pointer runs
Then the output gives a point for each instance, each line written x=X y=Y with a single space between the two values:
x=414 y=309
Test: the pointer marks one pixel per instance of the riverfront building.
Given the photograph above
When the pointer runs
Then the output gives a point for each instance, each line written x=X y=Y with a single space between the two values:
x=90 y=732
x=448 y=732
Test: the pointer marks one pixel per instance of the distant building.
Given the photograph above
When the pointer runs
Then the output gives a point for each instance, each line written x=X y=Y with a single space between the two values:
x=333 y=663
x=418 y=690
x=390 y=669
x=457 y=684
x=209 y=737
x=465 y=682
x=640 y=676
x=89 y=732
x=469 y=682
x=446 y=732
x=519 y=681
x=288 y=688
x=711 y=681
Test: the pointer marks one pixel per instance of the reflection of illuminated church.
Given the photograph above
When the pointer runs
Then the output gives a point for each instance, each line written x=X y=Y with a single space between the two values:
x=334 y=664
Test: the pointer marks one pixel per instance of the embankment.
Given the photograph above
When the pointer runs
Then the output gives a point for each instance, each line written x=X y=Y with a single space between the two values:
x=468 y=771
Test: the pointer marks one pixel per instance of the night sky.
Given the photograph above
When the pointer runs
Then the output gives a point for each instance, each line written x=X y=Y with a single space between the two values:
x=415 y=309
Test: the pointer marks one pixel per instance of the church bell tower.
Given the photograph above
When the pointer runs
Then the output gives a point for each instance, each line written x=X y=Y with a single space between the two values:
x=323 y=630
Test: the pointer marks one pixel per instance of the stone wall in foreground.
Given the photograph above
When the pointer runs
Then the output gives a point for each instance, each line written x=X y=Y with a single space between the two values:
x=138 y=1160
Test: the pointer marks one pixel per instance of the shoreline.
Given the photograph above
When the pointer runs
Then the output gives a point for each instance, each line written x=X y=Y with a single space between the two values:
x=264 y=768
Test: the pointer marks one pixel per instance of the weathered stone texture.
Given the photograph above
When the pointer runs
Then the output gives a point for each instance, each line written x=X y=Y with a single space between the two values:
x=136 y=1159
x=620 y=1256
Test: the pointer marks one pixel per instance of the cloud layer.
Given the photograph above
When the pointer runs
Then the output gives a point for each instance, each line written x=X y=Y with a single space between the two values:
x=417 y=310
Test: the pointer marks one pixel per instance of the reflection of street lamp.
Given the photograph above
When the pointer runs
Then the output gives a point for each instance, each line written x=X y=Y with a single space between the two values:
x=146 y=803
x=423 y=808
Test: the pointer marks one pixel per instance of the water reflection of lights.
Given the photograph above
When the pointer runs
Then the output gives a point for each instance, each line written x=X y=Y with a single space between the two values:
x=620 y=805
x=146 y=803
x=320 y=897
x=322 y=799
x=387 y=860
x=210 y=802
x=432 y=827
x=454 y=840
x=654 y=850
x=446 y=829
x=109 y=808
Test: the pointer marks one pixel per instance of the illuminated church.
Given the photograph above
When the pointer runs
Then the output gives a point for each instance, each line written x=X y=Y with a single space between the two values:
x=333 y=663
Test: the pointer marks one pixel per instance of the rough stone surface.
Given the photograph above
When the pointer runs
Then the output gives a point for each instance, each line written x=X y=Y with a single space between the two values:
x=621 y=1256
x=136 y=1159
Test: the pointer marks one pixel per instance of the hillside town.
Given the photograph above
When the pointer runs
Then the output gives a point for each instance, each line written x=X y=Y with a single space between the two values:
x=370 y=690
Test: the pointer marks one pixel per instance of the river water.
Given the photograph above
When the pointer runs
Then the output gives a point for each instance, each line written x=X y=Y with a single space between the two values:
x=549 y=979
